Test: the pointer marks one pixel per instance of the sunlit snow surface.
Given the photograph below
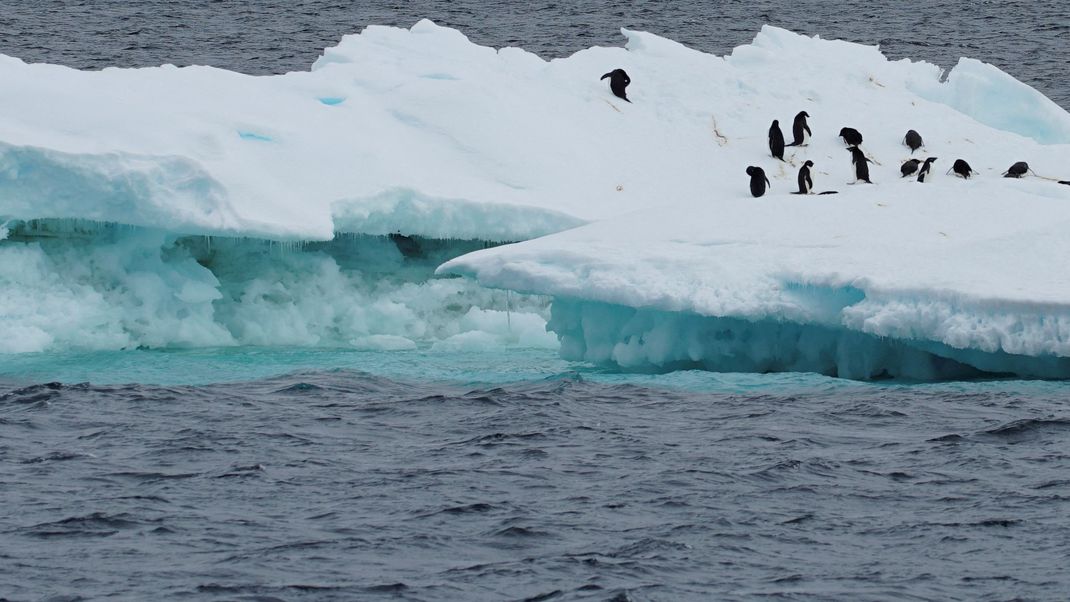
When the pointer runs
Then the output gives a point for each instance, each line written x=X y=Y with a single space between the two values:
x=196 y=207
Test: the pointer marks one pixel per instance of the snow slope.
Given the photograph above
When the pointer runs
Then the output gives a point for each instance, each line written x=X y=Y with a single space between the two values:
x=424 y=133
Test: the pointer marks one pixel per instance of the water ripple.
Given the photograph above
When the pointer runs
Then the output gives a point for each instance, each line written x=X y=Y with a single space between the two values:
x=554 y=489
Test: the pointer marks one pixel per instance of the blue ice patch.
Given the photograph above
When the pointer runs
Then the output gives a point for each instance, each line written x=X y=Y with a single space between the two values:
x=253 y=136
x=332 y=100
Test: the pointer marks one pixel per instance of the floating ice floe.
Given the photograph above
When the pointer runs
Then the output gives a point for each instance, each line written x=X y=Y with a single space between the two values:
x=196 y=206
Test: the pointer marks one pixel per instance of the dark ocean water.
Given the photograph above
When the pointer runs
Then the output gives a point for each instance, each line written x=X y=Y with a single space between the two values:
x=342 y=485
x=560 y=483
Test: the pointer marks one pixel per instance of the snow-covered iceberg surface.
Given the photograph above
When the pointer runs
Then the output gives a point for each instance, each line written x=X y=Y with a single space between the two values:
x=190 y=207
x=948 y=279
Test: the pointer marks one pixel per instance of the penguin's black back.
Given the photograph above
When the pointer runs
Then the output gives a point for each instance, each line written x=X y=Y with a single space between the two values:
x=851 y=136
x=1017 y=170
x=913 y=140
x=962 y=168
x=618 y=82
x=776 y=140
x=758 y=181
x=861 y=164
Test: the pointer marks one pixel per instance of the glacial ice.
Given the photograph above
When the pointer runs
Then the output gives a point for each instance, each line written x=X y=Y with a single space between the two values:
x=170 y=207
x=77 y=285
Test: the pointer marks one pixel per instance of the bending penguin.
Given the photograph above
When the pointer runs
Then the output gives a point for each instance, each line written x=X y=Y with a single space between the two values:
x=909 y=167
x=851 y=136
x=913 y=140
x=776 y=140
x=758 y=181
x=925 y=169
x=618 y=81
x=800 y=131
x=806 y=183
x=962 y=169
x=861 y=163
x=1017 y=170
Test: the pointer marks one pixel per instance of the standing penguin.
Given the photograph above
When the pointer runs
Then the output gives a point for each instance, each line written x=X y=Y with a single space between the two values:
x=1017 y=170
x=806 y=183
x=800 y=131
x=618 y=81
x=962 y=169
x=913 y=140
x=851 y=136
x=861 y=163
x=758 y=181
x=776 y=140
x=925 y=168
x=909 y=167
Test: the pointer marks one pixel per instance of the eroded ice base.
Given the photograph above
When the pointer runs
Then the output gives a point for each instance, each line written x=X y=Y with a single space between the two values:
x=71 y=284
x=648 y=340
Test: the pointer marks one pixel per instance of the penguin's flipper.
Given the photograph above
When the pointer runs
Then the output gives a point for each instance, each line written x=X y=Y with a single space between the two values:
x=610 y=74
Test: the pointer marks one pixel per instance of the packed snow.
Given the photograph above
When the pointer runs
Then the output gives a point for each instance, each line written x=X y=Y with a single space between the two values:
x=138 y=207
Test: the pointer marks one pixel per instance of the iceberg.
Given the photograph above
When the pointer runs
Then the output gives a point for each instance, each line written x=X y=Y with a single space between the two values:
x=194 y=206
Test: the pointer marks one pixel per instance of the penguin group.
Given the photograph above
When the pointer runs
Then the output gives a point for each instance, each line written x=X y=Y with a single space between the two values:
x=852 y=139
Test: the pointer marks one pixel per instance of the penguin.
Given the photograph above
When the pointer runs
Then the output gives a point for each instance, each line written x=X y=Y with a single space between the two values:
x=776 y=140
x=961 y=168
x=758 y=181
x=1017 y=170
x=861 y=163
x=618 y=81
x=806 y=183
x=800 y=131
x=925 y=169
x=851 y=136
x=1067 y=182
x=909 y=167
x=913 y=140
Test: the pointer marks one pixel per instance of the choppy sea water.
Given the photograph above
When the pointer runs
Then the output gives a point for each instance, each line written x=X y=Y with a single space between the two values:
x=341 y=485
x=281 y=474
